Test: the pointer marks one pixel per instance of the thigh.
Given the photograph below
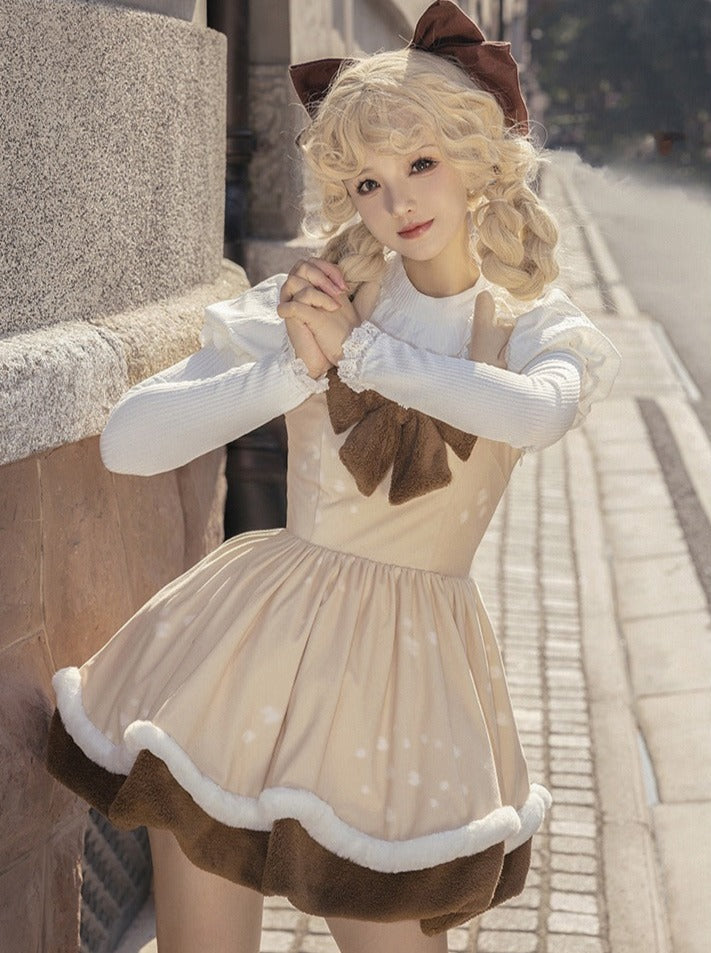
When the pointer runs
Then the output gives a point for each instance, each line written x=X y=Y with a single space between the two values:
x=358 y=936
x=198 y=911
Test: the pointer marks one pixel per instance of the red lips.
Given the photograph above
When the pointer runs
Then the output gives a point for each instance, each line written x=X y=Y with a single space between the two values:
x=414 y=231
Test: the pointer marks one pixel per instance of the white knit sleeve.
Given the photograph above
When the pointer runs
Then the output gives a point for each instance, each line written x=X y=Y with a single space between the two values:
x=557 y=325
x=529 y=405
x=245 y=374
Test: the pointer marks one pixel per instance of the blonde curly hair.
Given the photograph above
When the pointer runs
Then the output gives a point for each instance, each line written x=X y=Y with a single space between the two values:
x=393 y=102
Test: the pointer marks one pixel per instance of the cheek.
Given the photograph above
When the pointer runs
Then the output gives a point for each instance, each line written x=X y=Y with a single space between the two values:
x=371 y=216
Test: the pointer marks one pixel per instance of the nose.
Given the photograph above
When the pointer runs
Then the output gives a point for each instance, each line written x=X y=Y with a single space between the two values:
x=400 y=201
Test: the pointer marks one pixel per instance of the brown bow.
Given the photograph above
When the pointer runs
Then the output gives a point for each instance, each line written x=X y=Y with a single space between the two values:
x=387 y=435
x=444 y=30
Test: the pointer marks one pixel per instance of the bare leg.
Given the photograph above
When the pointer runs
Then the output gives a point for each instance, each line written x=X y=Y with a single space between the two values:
x=358 y=936
x=197 y=911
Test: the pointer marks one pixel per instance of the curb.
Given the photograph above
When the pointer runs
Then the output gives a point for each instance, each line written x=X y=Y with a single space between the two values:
x=636 y=911
x=604 y=264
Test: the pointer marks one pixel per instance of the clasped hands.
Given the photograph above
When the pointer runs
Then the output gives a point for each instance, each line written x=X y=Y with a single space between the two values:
x=319 y=315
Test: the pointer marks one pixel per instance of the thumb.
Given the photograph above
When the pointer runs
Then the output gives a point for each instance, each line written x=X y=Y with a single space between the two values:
x=484 y=309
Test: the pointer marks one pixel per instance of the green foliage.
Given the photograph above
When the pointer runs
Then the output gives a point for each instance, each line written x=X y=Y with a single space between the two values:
x=616 y=71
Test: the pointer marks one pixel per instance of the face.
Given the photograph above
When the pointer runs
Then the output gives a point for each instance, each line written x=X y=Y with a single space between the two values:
x=415 y=204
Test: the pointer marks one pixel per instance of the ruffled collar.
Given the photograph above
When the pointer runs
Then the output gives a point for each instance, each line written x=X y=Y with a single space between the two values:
x=442 y=325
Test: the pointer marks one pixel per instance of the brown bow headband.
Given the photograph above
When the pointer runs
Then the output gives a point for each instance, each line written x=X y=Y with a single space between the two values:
x=444 y=30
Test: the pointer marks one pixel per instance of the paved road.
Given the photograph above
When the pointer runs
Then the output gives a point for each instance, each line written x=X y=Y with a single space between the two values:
x=659 y=233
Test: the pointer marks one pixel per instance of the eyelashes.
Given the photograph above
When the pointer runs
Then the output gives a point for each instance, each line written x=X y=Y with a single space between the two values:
x=365 y=186
x=422 y=164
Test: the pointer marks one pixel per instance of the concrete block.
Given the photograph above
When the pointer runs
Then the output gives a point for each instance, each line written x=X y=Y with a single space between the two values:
x=318 y=944
x=56 y=386
x=164 y=332
x=578 y=883
x=657 y=585
x=684 y=839
x=637 y=533
x=693 y=444
x=574 y=863
x=632 y=891
x=506 y=941
x=113 y=181
x=562 y=943
x=458 y=940
x=615 y=421
x=510 y=918
x=276 y=941
x=621 y=792
x=633 y=491
x=669 y=653
x=183 y=9
x=676 y=729
x=575 y=902
x=566 y=922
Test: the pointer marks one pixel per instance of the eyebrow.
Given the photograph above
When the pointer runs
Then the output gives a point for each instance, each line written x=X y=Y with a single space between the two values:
x=427 y=146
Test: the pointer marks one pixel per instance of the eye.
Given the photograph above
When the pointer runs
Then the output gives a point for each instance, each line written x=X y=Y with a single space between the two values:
x=366 y=186
x=423 y=164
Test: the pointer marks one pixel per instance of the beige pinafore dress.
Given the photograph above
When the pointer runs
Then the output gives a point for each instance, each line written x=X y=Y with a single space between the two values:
x=321 y=711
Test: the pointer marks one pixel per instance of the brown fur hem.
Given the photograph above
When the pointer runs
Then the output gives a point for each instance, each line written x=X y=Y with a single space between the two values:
x=287 y=861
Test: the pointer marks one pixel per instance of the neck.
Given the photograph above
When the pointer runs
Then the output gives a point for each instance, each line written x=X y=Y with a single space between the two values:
x=441 y=279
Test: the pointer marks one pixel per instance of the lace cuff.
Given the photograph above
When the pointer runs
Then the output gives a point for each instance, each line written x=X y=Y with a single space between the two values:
x=289 y=362
x=355 y=348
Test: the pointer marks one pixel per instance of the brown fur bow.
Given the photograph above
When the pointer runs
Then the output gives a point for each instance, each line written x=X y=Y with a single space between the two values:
x=385 y=434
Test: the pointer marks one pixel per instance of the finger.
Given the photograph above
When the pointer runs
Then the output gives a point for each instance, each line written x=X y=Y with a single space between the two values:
x=484 y=308
x=316 y=299
x=302 y=312
x=332 y=271
x=292 y=285
x=322 y=274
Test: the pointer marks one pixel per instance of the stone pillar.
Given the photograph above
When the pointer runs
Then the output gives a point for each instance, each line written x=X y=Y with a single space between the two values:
x=112 y=178
x=293 y=31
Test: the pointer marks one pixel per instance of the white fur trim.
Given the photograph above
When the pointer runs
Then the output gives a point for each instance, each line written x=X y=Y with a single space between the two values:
x=67 y=687
x=316 y=816
x=531 y=816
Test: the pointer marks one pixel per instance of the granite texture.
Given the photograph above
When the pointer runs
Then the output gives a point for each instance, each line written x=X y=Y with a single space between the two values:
x=112 y=159
x=182 y=9
x=58 y=383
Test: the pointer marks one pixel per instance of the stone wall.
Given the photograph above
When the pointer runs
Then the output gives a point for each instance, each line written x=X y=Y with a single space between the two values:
x=81 y=549
x=112 y=175
x=112 y=186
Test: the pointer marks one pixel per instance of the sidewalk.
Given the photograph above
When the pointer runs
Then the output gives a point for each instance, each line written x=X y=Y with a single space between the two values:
x=596 y=585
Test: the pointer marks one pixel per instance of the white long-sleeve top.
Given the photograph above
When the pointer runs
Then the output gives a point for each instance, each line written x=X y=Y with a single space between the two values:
x=412 y=350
